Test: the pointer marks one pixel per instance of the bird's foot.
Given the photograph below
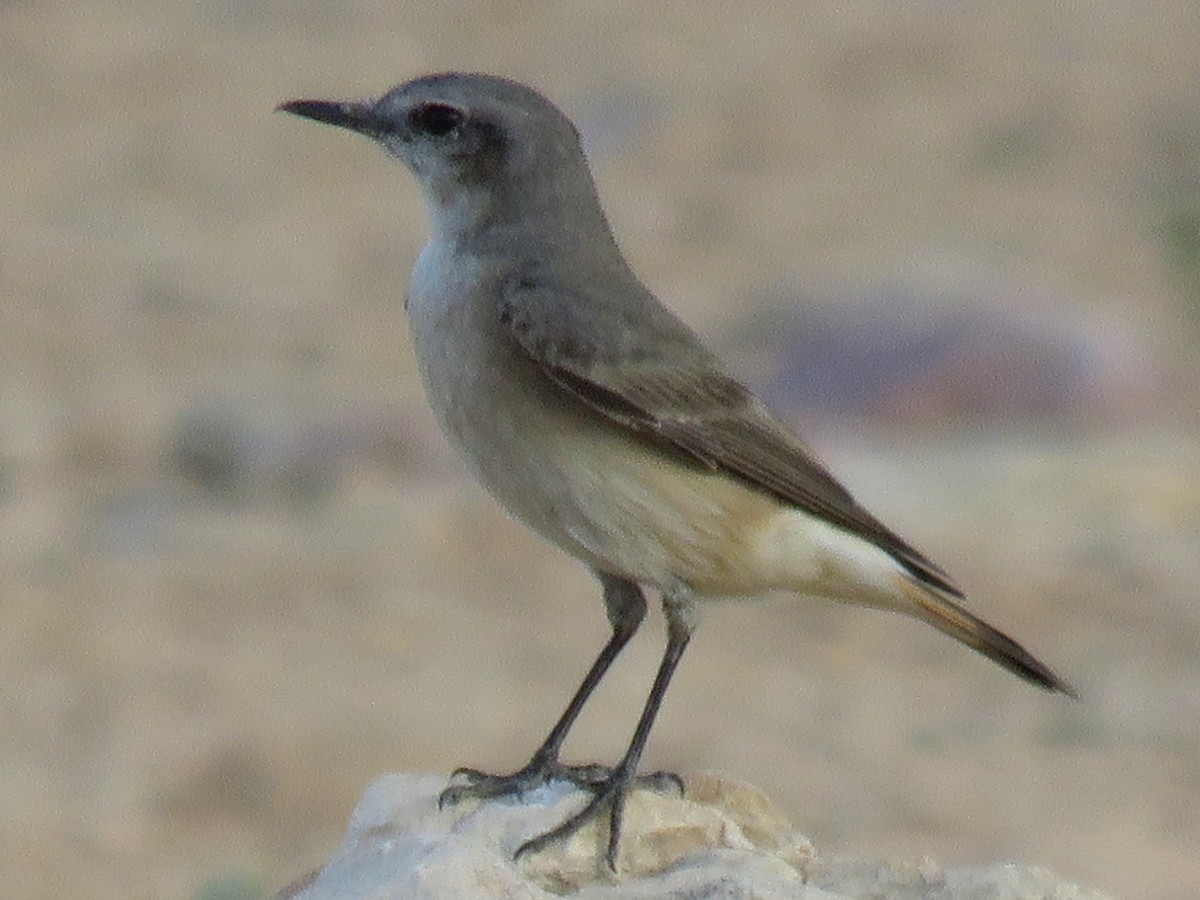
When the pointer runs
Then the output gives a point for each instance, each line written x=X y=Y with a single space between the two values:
x=608 y=795
x=608 y=786
x=473 y=784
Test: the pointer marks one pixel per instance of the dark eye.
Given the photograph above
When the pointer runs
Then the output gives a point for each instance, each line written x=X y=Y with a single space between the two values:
x=436 y=119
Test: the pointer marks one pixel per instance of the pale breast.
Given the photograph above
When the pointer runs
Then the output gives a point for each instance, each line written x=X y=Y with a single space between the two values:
x=506 y=420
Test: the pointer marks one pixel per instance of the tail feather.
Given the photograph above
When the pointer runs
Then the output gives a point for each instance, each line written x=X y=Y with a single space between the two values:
x=948 y=617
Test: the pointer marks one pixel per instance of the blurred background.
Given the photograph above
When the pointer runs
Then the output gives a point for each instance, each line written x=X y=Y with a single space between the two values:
x=957 y=243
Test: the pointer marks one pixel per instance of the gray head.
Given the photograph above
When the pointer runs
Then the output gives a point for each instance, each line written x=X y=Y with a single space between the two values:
x=487 y=151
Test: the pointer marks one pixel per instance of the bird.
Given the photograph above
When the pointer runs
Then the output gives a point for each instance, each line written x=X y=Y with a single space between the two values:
x=599 y=419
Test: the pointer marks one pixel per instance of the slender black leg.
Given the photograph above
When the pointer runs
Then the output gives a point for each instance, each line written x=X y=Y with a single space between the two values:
x=611 y=793
x=626 y=607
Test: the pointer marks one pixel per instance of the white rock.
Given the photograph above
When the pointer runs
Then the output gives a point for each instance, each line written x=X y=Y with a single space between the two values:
x=722 y=839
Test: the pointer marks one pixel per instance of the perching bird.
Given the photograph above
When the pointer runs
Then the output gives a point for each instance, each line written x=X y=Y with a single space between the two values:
x=600 y=420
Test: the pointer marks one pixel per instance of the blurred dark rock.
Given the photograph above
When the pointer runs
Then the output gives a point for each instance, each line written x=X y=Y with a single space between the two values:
x=297 y=450
x=235 y=451
x=902 y=357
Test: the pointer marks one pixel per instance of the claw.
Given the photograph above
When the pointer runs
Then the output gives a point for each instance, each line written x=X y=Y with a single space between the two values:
x=661 y=782
x=449 y=797
x=457 y=792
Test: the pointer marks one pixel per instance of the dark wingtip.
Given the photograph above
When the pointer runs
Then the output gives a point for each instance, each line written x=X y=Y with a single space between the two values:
x=1039 y=675
x=952 y=618
x=1002 y=649
x=1061 y=685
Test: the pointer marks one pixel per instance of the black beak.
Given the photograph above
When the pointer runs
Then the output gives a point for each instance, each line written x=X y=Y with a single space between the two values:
x=360 y=117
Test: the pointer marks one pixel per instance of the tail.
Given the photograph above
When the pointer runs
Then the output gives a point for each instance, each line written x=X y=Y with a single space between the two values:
x=947 y=616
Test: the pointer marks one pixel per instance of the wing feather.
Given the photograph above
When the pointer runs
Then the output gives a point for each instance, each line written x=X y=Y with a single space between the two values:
x=656 y=379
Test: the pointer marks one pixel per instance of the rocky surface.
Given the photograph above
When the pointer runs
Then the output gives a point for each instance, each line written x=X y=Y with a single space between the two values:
x=723 y=838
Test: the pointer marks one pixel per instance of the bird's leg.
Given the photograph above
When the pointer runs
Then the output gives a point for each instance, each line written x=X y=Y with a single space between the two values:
x=610 y=794
x=626 y=607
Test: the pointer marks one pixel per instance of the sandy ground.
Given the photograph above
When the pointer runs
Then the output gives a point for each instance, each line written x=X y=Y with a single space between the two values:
x=240 y=576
